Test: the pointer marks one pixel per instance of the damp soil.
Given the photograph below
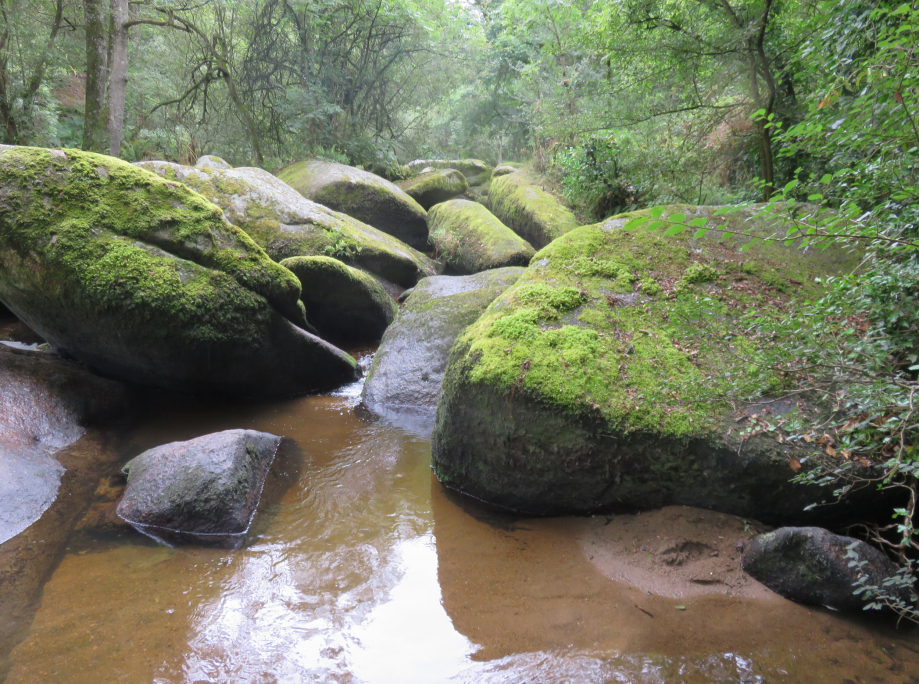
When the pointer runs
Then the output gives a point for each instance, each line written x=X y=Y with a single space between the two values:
x=361 y=567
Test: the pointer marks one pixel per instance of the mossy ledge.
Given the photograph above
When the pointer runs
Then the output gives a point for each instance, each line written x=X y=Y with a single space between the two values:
x=528 y=210
x=590 y=384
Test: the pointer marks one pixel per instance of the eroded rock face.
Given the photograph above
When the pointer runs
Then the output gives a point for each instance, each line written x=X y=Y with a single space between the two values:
x=343 y=303
x=45 y=404
x=286 y=224
x=471 y=239
x=407 y=370
x=434 y=187
x=144 y=280
x=528 y=210
x=592 y=383
x=206 y=487
x=813 y=565
x=361 y=195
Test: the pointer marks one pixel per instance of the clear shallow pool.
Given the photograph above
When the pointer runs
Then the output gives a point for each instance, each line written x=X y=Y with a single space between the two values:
x=362 y=568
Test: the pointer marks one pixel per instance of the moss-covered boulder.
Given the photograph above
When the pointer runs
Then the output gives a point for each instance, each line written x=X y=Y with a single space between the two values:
x=361 y=195
x=344 y=304
x=595 y=382
x=468 y=167
x=471 y=239
x=434 y=187
x=144 y=280
x=204 y=490
x=209 y=161
x=528 y=210
x=286 y=224
x=503 y=170
x=404 y=380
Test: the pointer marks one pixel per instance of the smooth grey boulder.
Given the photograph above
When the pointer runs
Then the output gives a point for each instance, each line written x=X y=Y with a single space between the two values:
x=434 y=187
x=361 y=195
x=209 y=161
x=813 y=565
x=405 y=378
x=345 y=304
x=45 y=405
x=205 y=489
x=503 y=170
x=471 y=239
x=144 y=280
x=286 y=224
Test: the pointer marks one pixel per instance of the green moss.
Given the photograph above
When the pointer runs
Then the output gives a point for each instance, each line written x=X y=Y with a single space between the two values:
x=649 y=358
x=70 y=192
x=529 y=211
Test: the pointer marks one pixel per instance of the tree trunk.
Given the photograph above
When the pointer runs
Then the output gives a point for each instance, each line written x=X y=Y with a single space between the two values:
x=94 y=118
x=118 y=76
x=244 y=114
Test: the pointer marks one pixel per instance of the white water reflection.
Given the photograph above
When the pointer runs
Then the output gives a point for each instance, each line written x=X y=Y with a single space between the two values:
x=391 y=628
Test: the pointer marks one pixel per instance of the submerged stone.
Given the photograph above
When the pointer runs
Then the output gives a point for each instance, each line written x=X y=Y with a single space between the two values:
x=813 y=565
x=361 y=195
x=343 y=303
x=528 y=210
x=595 y=381
x=471 y=239
x=434 y=187
x=405 y=379
x=206 y=489
x=144 y=280
x=286 y=224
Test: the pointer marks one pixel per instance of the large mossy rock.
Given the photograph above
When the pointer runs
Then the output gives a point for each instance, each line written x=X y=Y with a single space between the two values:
x=434 y=187
x=209 y=161
x=361 y=195
x=405 y=378
x=595 y=381
x=470 y=168
x=206 y=487
x=813 y=565
x=471 y=239
x=144 y=280
x=46 y=403
x=286 y=224
x=344 y=304
x=528 y=210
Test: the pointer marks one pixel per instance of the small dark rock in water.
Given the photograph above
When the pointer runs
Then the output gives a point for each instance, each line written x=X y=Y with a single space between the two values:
x=205 y=489
x=811 y=565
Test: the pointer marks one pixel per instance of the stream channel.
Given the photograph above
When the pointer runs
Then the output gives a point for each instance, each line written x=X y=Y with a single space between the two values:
x=361 y=567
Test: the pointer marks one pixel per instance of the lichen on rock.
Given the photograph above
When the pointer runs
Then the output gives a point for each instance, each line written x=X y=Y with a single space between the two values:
x=471 y=239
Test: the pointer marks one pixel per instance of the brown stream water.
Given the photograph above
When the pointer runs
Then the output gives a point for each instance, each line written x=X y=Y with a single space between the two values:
x=362 y=568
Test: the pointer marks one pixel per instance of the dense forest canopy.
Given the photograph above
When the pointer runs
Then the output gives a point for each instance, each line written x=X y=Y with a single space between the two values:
x=618 y=104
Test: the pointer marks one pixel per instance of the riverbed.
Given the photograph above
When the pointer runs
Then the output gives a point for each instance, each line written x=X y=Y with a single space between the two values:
x=361 y=567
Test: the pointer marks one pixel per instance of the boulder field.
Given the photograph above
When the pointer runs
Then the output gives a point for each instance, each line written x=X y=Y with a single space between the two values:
x=144 y=280
x=286 y=224
x=361 y=195
x=595 y=381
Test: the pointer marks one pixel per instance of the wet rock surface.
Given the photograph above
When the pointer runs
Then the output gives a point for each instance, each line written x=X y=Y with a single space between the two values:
x=286 y=224
x=206 y=488
x=45 y=405
x=345 y=304
x=362 y=195
x=813 y=565
x=405 y=379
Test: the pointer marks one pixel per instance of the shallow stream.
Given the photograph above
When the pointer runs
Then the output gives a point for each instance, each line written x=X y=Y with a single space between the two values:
x=360 y=567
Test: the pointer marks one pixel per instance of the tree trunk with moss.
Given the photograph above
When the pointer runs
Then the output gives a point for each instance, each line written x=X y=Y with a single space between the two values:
x=97 y=41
